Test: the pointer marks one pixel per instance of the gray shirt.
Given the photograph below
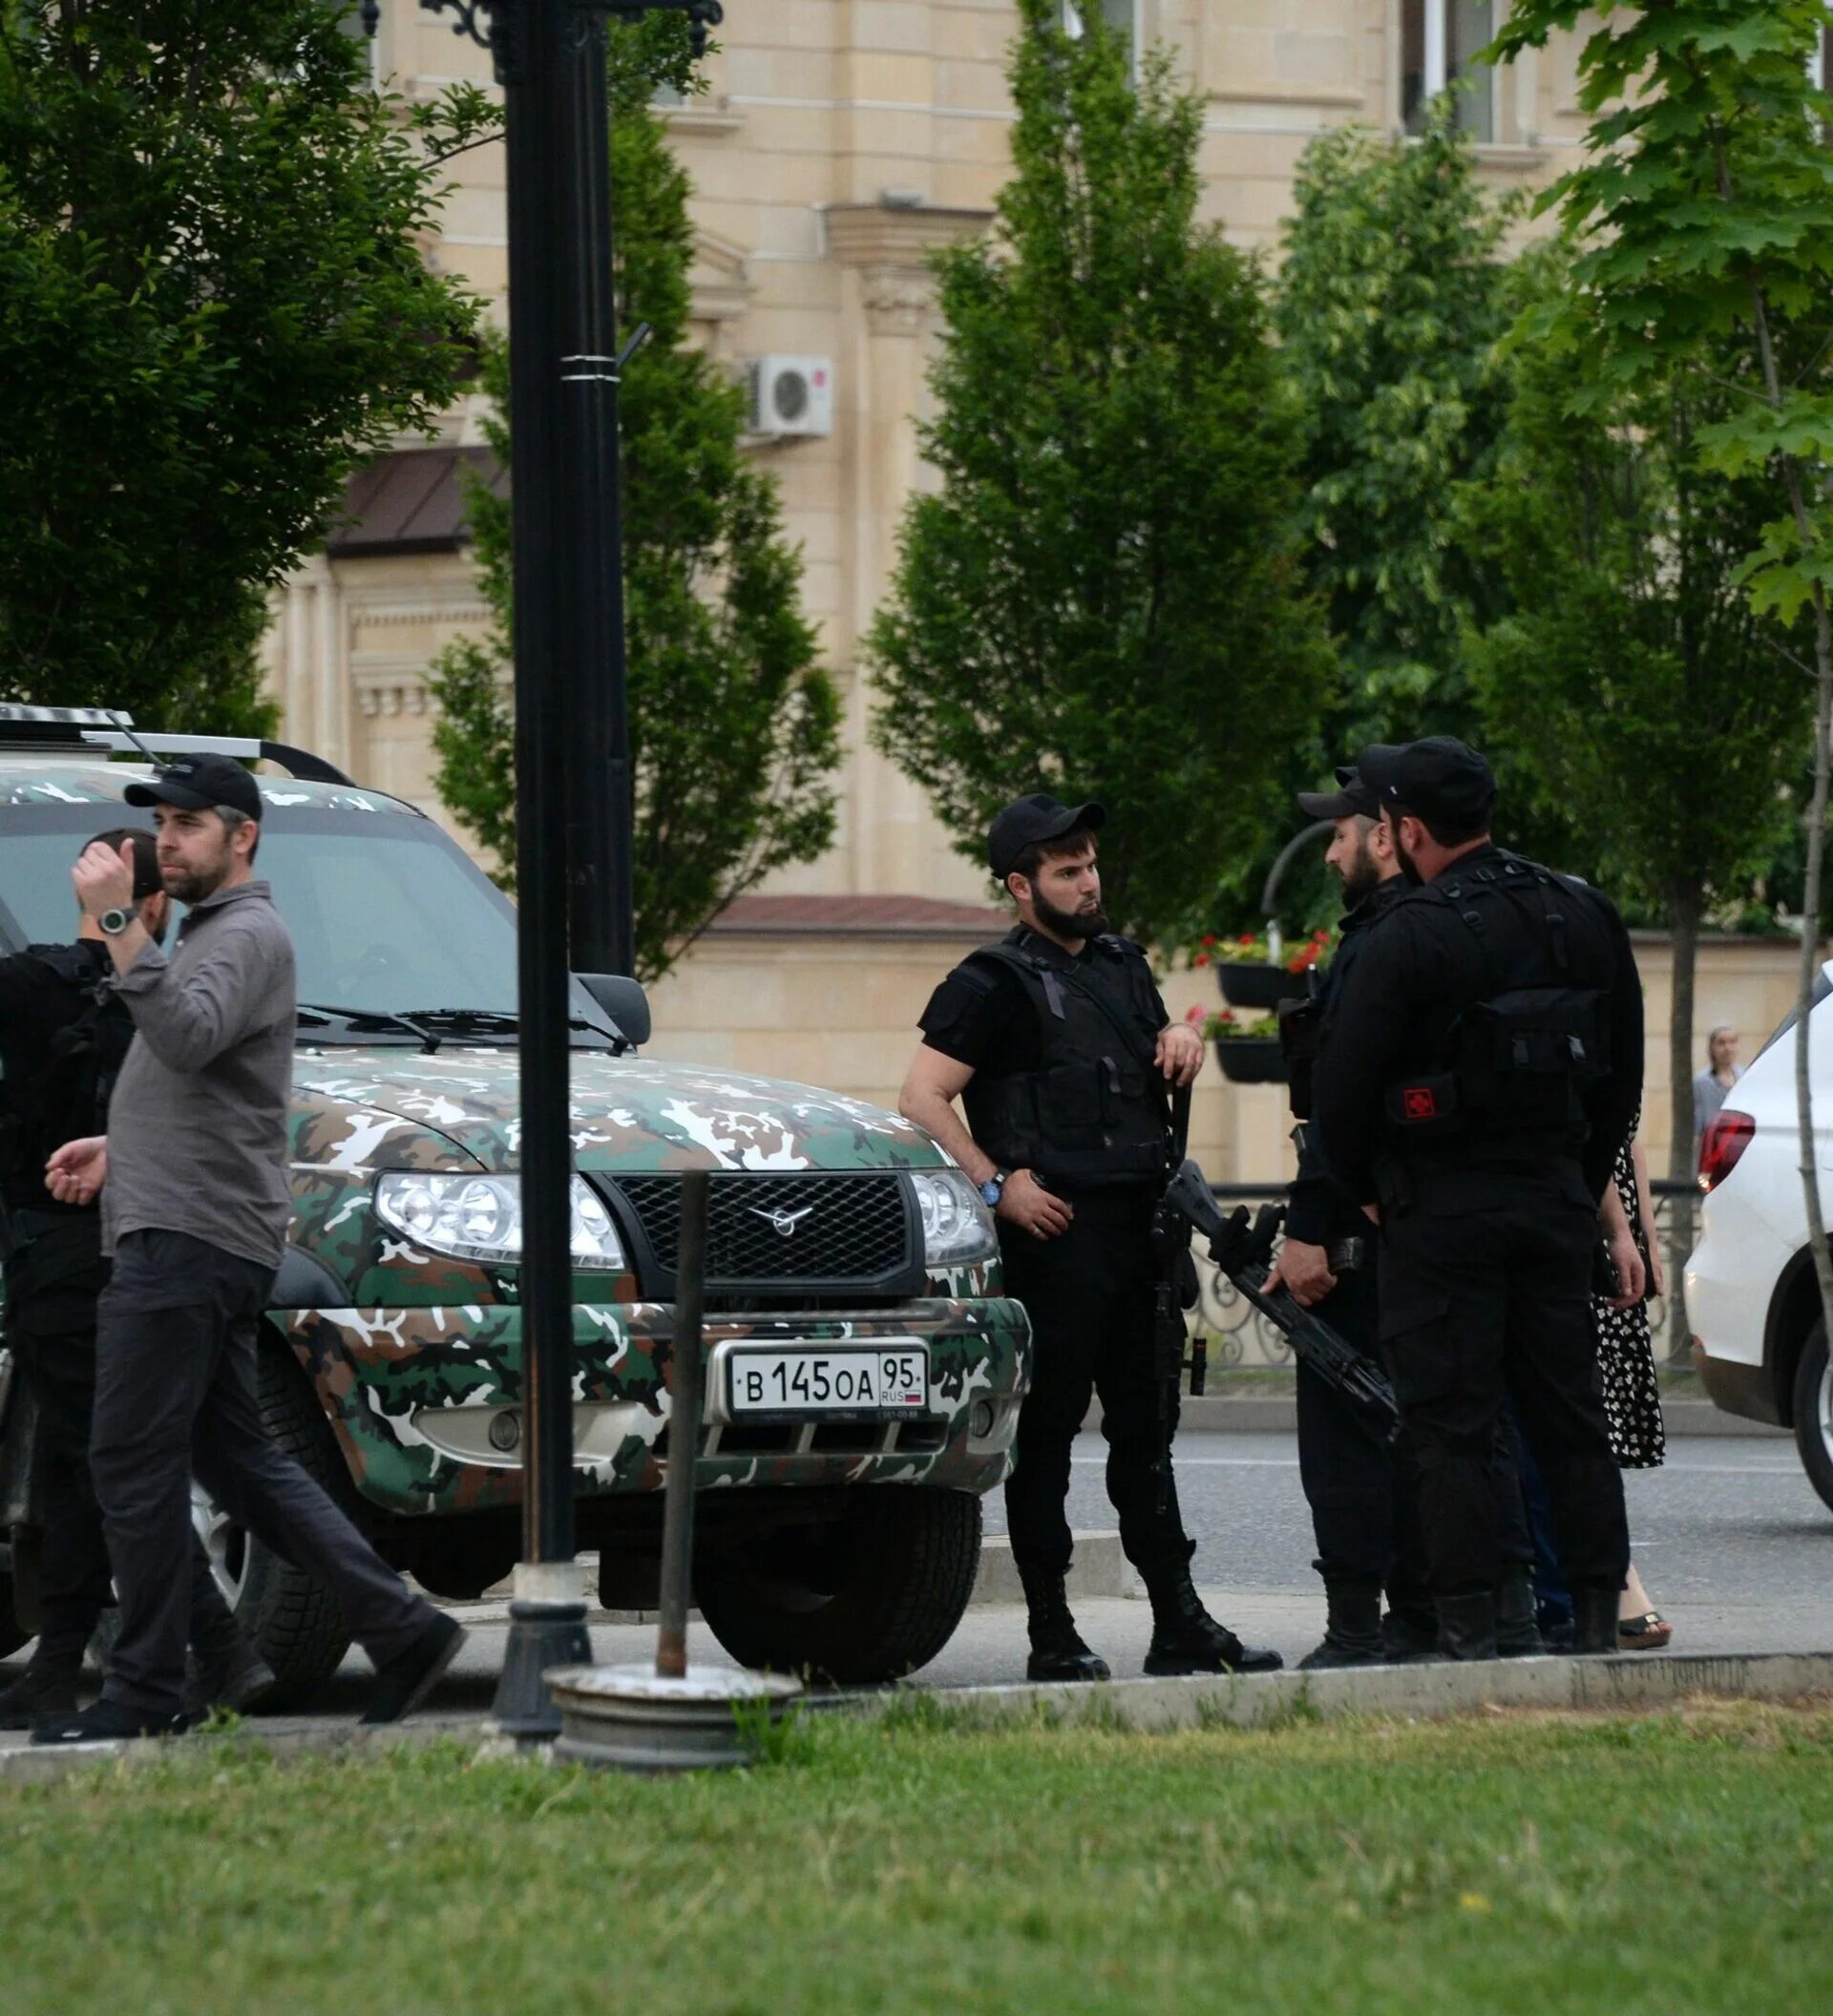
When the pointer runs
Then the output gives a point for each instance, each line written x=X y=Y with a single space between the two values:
x=1709 y=1096
x=197 y=1125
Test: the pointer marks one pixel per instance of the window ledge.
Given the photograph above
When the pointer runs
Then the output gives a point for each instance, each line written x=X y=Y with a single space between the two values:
x=700 y=115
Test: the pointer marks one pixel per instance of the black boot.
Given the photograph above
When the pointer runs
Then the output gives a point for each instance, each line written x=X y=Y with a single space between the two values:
x=48 y=1686
x=1352 y=1629
x=1517 y=1628
x=1186 y=1639
x=1595 y=1621
x=1057 y=1650
x=1408 y=1636
x=39 y=1691
x=1467 y=1626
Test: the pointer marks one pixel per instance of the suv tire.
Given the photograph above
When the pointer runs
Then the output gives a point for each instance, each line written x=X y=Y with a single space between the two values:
x=862 y=1599
x=1814 y=1413
x=294 y=1619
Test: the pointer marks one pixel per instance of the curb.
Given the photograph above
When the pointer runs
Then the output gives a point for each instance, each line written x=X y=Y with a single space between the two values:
x=1425 y=1692
x=1223 y=1414
x=1626 y=1681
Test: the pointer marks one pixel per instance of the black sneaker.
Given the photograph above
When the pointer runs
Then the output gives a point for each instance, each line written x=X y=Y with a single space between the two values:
x=107 y=1721
x=234 y=1676
x=405 y=1681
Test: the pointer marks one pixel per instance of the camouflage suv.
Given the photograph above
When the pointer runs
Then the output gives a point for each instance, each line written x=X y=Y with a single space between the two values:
x=864 y=1372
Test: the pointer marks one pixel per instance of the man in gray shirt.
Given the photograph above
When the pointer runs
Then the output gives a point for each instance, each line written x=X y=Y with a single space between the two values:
x=193 y=1178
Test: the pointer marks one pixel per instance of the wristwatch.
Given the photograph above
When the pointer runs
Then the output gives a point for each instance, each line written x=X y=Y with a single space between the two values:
x=113 y=922
x=993 y=1189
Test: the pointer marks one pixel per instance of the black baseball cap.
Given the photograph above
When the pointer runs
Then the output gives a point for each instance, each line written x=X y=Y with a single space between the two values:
x=1352 y=795
x=147 y=879
x=200 y=784
x=1026 y=821
x=1441 y=780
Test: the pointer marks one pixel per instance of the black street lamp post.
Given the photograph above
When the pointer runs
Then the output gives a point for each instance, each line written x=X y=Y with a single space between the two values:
x=572 y=784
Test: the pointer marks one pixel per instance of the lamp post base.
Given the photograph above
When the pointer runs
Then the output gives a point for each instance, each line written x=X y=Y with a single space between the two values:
x=541 y=1634
x=632 y=1718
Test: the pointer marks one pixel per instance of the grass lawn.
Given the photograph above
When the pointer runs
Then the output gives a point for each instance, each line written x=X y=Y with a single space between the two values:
x=1674 y=1863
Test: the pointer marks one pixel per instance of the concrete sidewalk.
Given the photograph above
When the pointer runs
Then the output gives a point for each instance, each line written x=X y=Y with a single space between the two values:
x=983 y=1664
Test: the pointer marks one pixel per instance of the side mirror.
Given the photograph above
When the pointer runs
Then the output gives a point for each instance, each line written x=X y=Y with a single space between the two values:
x=623 y=1000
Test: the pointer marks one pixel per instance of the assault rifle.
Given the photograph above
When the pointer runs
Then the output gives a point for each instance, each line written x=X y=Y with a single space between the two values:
x=1174 y=1291
x=1243 y=1249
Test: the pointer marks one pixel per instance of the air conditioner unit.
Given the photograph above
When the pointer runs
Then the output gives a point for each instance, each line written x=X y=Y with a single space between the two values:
x=791 y=395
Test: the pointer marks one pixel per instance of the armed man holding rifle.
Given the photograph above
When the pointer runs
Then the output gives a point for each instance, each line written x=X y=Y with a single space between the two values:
x=1058 y=1044
x=1480 y=1066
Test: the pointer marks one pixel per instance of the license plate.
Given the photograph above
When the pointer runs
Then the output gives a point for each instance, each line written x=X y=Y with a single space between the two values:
x=856 y=1379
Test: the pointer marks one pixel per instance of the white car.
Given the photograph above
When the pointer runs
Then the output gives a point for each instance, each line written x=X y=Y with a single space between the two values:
x=1753 y=1305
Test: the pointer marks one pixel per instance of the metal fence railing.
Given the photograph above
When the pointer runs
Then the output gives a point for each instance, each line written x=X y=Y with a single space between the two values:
x=1242 y=1340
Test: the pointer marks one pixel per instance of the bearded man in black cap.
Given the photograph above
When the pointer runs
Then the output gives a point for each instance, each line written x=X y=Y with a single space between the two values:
x=1363 y=1509
x=1480 y=1066
x=1056 y=1042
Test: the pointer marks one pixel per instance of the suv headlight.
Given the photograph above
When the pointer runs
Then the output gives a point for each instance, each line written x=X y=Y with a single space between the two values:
x=957 y=1227
x=480 y=1218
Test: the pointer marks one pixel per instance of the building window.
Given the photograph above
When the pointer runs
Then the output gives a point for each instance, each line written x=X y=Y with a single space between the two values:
x=1819 y=60
x=1121 y=17
x=1439 y=44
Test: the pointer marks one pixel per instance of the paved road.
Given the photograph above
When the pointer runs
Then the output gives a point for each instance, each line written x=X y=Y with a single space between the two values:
x=1726 y=1518
x=1735 y=1547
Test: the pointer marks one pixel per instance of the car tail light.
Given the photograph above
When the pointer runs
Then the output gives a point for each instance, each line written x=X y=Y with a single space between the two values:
x=1726 y=1140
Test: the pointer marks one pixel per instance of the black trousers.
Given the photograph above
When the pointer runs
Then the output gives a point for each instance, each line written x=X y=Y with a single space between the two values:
x=1362 y=1491
x=74 y=1584
x=1089 y=1294
x=1365 y=1493
x=1485 y=1283
x=176 y=1397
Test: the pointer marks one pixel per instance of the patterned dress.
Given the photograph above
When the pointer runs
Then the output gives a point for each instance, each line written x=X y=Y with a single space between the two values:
x=1625 y=1351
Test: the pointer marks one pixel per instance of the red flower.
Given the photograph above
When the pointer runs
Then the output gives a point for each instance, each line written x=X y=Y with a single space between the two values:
x=1246 y=938
x=1201 y=960
x=1209 y=942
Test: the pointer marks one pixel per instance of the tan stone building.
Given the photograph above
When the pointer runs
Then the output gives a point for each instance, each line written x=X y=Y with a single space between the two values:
x=840 y=142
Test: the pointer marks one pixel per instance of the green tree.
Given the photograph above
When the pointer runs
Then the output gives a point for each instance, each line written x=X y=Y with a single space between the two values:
x=1703 y=217
x=1103 y=596
x=1389 y=309
x=212 y=307
x=733 y=727
x=1631 y=681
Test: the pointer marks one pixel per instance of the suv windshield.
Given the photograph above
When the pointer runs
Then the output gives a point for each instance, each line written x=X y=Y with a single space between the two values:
x=387 y=915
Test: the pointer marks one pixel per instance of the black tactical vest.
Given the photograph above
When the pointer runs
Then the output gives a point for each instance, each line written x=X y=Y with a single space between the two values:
x=1517 y=1062
x=1093 y=1115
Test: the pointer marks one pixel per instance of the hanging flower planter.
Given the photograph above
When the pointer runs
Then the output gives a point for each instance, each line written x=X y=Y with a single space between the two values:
x=1247 y=1047
x=1251 y=976
x=1252 y=1060
x=1254 y=984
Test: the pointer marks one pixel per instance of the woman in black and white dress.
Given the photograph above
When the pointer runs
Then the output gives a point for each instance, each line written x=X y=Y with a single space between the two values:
x=1631 y=1396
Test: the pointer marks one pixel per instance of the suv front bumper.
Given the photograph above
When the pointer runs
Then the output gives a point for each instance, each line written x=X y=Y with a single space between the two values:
x=414 y=1395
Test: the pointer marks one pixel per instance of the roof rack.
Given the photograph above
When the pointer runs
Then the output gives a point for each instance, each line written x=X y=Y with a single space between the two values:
x=77 y=729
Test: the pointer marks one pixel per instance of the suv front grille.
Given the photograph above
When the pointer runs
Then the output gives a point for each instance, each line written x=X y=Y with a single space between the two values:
x=843 y=1230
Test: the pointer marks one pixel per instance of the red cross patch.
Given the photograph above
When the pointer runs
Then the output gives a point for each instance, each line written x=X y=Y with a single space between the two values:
x=1421 y=1103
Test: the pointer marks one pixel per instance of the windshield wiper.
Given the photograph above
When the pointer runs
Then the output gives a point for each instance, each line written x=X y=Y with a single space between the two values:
x=506 y=1023
x=363 y=1019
